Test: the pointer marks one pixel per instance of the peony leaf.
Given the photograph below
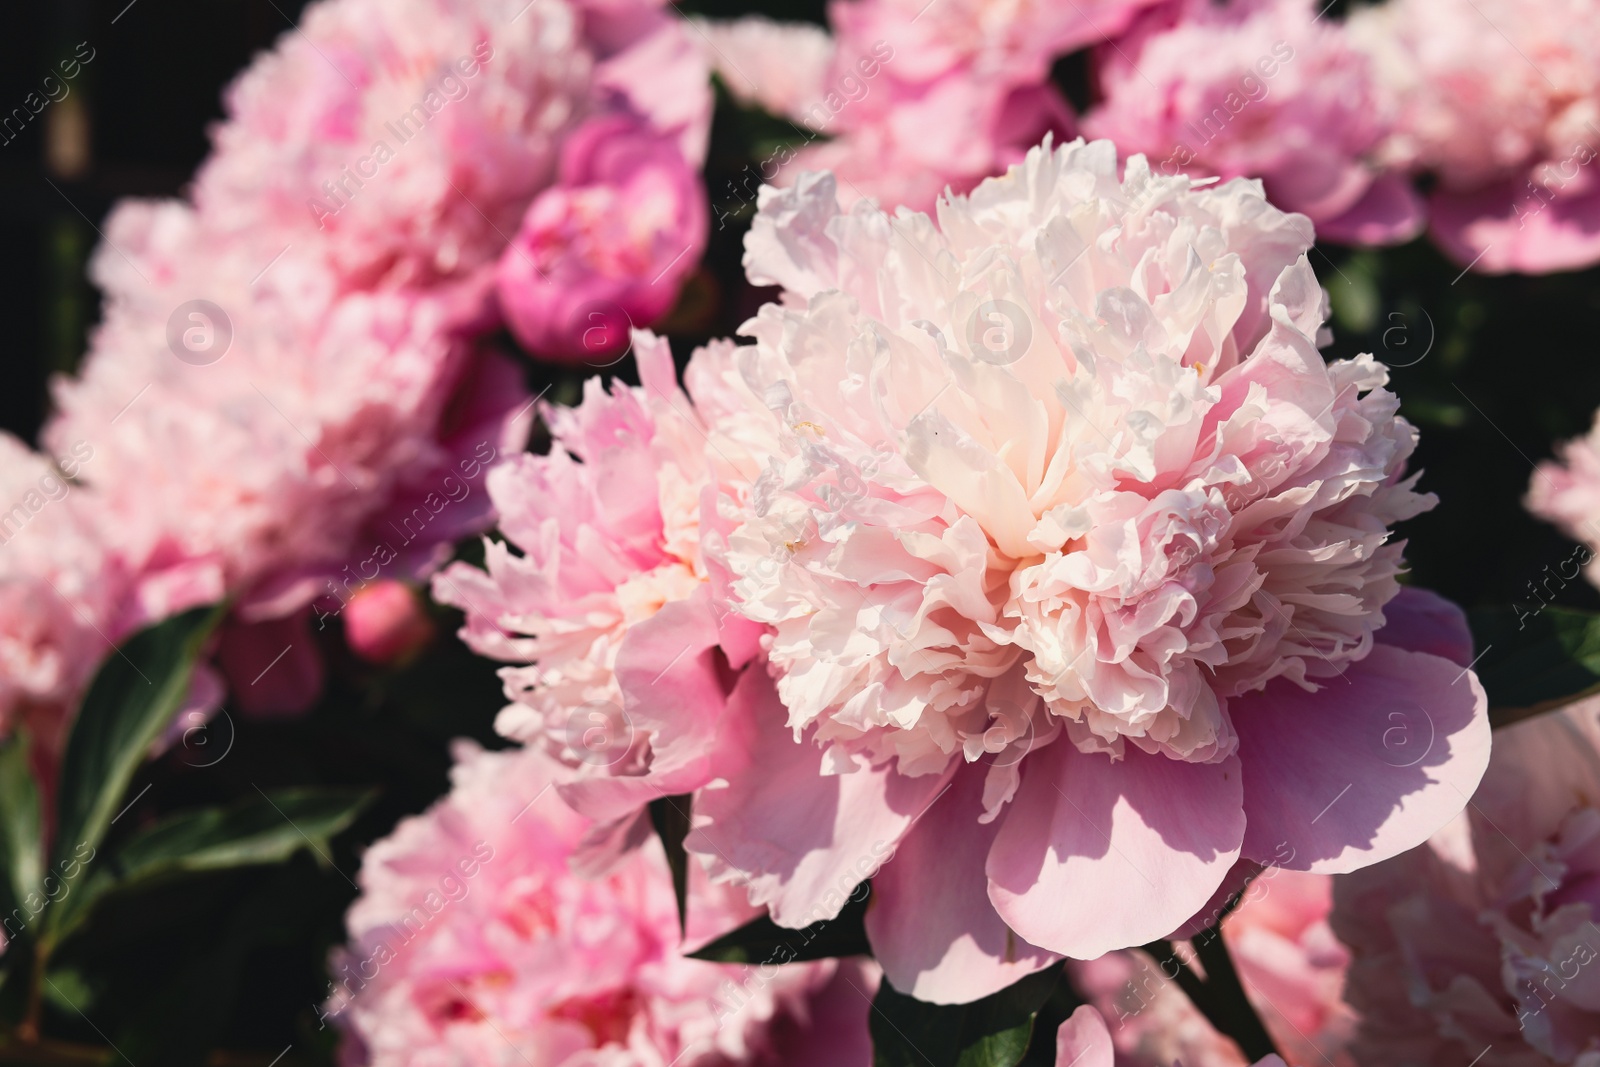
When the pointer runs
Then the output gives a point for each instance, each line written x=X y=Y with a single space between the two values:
x=21 y=830
x=134 y=696
x=1532 y=660
x=992 y=1032
x=670 y=817
x=258 y=830
x=764 y=941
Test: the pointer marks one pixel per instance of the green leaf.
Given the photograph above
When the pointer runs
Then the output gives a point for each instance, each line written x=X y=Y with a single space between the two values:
x=134 y=696
x=992 y=1032
x=1532 y=660
x=268 y=829
x=21 y=831
x=259 y=830
x=764 y=941
x=670 y=817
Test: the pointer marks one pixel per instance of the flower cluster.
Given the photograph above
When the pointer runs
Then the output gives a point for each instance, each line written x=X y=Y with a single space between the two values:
x=1037 y=527
x=1495 y=105
x=473 y=942
x=296 y=388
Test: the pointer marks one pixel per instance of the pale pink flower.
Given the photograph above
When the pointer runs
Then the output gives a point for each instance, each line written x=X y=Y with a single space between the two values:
x=62 y=589
x=1485 y=937
x=1265 y=89
x=285 y=434
x=1084 y=1041
x=780 y=67
x=603 y=539
x=607 y=245
x=1288 y=960
x=1068 y=514
x=916 y=97
x=1500 y=101
x=474 y=942
x=1566 y=491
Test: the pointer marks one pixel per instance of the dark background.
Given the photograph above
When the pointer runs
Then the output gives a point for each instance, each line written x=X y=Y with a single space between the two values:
x=230 y=968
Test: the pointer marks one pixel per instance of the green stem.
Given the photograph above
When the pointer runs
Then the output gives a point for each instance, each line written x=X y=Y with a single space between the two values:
x=1220 y=995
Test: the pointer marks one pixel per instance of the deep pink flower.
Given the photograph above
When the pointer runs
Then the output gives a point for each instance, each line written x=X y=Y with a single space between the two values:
x=1260 y=89
x=474 y=941
x=385 y=623
x=607 y=245
x=407 y=139
x=1075 y=555
x=1485 y=937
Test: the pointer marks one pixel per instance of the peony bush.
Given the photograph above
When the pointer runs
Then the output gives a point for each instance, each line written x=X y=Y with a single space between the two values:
x=595 y=534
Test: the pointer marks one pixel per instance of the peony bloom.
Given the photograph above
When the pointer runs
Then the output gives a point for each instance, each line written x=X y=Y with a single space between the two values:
x=1076 y=562
x=1291 y=966
x=406 y=140
x=607 y=245
x=62 y=589
x=1084 y=1041
x=603 y=544
x=1486 y=936
x=473 y=942
x=1501 y=102
x=263 y=433
x=1567 y=492
x=914 y=97
x=1266 y=89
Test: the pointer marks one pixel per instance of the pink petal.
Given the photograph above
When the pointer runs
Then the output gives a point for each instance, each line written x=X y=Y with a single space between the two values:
x=672 y=680
x=931 y=924
x=834 y=1029
x=1421 y=621
x=1084 y=1041
x=1364 y=769
x=1096 y=856
x=1502 y=228
x=1388 y=213
x=1239 y=876
x=799 y=840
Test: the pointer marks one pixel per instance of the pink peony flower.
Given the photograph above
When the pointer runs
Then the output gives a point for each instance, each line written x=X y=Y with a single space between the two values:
x=607 y=245
x=914 y=97
x=1075 y=555
x=1566 y=491
x=1260 y=88
x=473 y=941
x=1084 y=1040
x=1485 y=937
x=1501 y=102
x=62 y=590
x=780 y=67
x=385 y=623
x=1288 y=960
x=406 y=140
x=609 y=526
x=260 y=432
